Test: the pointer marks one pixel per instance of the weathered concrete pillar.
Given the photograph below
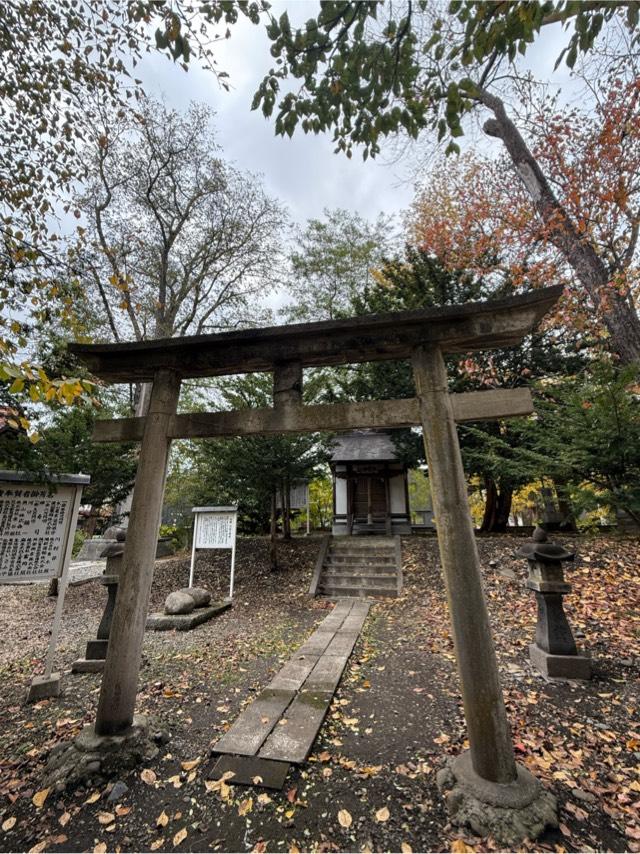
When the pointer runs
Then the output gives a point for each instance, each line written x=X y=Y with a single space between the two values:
x=122 y=665
x=489 y=734
x=484 y=788
x=287 y=384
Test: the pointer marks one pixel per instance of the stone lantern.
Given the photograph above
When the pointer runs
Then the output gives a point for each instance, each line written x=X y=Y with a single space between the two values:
x=96 y=651
x=554 y=652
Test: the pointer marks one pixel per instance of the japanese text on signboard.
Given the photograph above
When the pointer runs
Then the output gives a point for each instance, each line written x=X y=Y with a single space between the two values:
x=215 y=531
x=33 y=524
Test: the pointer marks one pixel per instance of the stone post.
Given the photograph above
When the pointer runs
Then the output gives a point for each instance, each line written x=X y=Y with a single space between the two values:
x=554 y=653
x=120 y=680
x=485 y=788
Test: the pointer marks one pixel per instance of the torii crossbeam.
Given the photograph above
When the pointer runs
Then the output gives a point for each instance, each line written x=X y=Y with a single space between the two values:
x=419 y=336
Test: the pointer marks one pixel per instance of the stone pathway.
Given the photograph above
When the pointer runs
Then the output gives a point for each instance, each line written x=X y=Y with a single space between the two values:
x=280 y=726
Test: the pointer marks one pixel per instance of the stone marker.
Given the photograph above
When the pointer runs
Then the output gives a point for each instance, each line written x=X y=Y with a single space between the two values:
x=554 y=653
x=199 y=595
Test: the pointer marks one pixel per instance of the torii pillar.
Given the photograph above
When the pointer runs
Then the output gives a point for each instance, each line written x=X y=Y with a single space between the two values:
x=484 y=787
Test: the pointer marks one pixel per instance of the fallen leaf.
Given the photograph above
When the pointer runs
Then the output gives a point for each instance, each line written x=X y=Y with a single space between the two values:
x=291 y=795
x=406 y=848
x=245 y=806
x=8 y=823
x=180 y=836
x=257 y=780
x=93 y=797
x=293 y=849
x=63 y=821
x=40 y=797
x=189 y=766
x=37 y=849
x=163 y=819
x=344 y=818
x=148 y=776
x=264 y=798
x=260 y=847
x=383 y=814
x=106 y=817
x=460 y=846
x=157 y=843
x=60 y=839
x=120 y=810
x=325 y=756
x=100 y=848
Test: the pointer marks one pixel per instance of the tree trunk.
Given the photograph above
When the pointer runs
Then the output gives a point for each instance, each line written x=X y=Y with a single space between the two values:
x=617 y=310
x=273 y=546
x=497 y=507
x=568 y=522
x=286 y=509
x=490 y=503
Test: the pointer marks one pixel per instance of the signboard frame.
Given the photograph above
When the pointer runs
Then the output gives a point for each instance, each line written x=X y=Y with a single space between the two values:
x=78 y=481
x=200 y=514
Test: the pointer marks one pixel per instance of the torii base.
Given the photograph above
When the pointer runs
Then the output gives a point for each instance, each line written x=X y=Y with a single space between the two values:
x=509 y=812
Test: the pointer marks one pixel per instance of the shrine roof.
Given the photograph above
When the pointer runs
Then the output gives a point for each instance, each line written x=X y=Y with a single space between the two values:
x=364 y=446
x=368 y=338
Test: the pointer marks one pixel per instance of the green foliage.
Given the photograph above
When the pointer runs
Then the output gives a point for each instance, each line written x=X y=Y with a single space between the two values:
x=369 y=69
x=179 y=534
x=335 y=258
x=78 y=539
x=321 y=502
x=587 y=433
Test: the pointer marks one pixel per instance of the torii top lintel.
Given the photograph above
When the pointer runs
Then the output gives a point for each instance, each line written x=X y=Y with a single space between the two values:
x=375 y=337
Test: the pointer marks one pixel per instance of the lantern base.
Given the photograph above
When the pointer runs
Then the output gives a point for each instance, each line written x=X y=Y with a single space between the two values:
x=560 y=668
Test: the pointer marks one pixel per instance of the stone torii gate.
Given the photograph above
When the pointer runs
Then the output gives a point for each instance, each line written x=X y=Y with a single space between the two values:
x=485 y=787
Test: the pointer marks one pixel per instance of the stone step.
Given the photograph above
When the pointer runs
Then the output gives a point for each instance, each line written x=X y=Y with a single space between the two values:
x=382 y=579
x=363 y=546
x=353 y=580
x=373 y=566
x=355 y=592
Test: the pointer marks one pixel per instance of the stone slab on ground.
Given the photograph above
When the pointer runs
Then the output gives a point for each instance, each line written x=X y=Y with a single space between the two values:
x=249 y=732
x=294 y=673
x=292 y=740
x=44 y=686
x=88 y=665
x=250 y=771
x=161 y=622
x=282 y=724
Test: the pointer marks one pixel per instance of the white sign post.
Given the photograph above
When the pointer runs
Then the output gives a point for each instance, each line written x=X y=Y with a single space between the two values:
x=214 y=528
x=37 y=526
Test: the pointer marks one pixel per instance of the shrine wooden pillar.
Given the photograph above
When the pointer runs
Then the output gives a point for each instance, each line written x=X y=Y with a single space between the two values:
x=120 y=680
x=487 y=725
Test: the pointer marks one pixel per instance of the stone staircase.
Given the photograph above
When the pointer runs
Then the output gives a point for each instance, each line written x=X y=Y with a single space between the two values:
x=358 y=566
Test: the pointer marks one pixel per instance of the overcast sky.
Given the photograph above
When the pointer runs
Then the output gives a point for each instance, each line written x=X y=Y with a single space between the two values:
x=303 y=171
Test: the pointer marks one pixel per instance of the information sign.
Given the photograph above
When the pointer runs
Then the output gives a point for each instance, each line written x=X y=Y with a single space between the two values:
x=37 y=526
x=214 y=528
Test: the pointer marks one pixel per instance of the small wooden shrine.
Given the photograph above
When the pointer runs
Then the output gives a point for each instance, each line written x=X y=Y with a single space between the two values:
x=370 y=488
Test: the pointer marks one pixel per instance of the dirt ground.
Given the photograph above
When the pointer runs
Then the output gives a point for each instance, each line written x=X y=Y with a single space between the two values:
x=370 y=781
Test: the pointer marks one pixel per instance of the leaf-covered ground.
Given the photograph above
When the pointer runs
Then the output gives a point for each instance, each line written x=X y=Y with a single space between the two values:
x=369 y=784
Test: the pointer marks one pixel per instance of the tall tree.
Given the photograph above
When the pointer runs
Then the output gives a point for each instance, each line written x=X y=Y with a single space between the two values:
x=60 y=60
x=178 y=241
x=333 y=259
x=369 y=70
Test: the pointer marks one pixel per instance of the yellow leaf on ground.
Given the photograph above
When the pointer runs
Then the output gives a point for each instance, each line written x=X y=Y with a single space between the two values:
x=383 y=814
x=40 y=847
x=180 y=836
x=8 y=823
x=163 y=819
x=40 y=797
x=189 y=766
x=64 y=819
x=148 y=776
x=100 y=848
x=93 y=797
x=245 y=806
x=157 y=843
x=460 y=846
x=294 y=849
x=264 y=798
x=120 y=810
x=406 y=848
x=106 y=817
x=344 y=818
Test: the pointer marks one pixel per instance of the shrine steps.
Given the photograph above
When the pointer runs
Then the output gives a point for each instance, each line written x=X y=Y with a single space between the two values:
x=349 y=567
